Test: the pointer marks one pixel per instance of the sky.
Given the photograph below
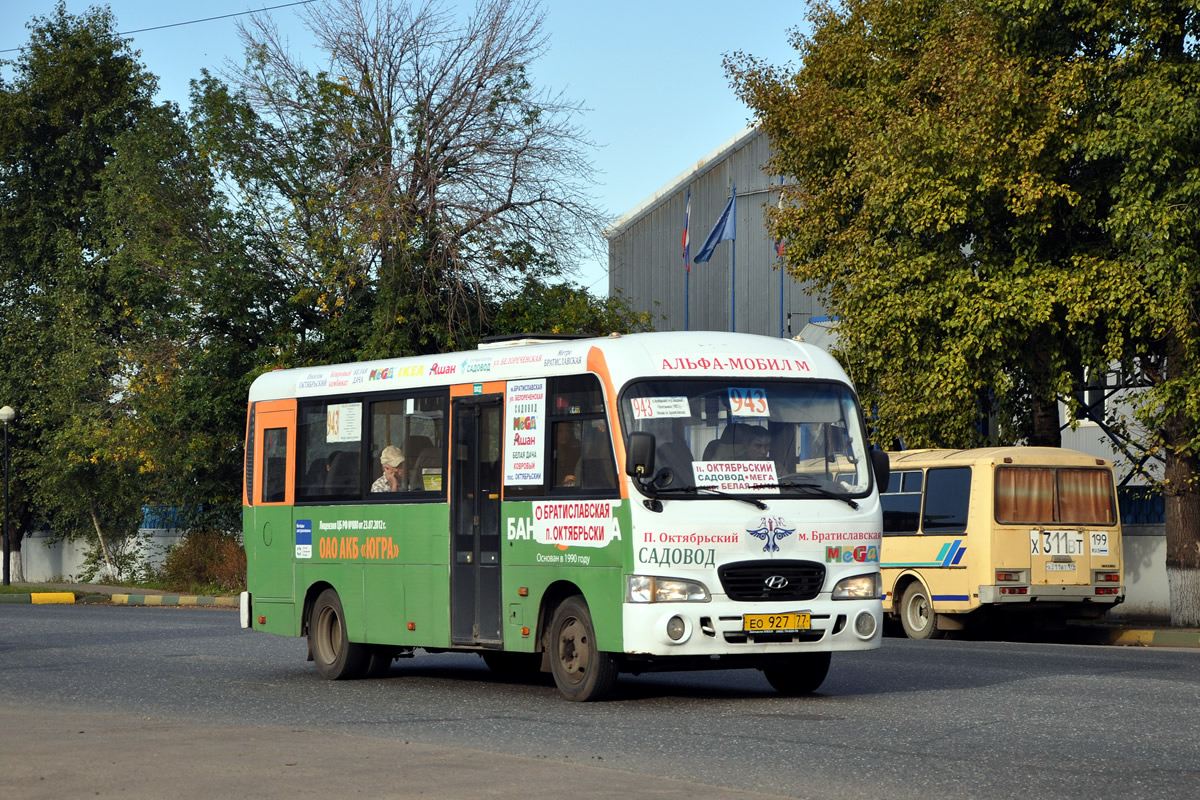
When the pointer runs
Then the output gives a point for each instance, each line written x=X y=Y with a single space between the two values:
x=648 y=71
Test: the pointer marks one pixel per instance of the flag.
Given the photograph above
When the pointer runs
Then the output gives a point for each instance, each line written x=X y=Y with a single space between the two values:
x=724 y=230
x=687 y=242
x=779 y=242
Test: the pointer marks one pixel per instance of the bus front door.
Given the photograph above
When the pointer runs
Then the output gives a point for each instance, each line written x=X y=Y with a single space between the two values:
x=475 y=521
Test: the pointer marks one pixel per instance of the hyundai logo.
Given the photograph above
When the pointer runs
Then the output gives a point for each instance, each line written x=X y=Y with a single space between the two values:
x=776 y=582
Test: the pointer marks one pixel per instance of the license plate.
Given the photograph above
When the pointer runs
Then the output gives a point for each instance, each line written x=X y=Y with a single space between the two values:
x=1060 y=566
x=777 y=623
x=1055 y=543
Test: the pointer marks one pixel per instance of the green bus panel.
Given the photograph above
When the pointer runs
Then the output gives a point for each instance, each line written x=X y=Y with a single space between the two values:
x=390 y=566
x=267 y=532
x=598 y=573
x=279 y=615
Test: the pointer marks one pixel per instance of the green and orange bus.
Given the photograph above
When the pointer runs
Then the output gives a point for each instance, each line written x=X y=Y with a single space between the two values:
x=584 y=507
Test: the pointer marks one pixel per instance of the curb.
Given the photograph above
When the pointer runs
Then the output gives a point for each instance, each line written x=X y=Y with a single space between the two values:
x=173 y=600
x=1156 y=638
x=41 y=598
x=1141 y=637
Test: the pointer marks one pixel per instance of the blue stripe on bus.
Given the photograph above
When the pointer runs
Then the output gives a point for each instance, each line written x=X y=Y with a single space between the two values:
x=951 y=597
x=951 y=551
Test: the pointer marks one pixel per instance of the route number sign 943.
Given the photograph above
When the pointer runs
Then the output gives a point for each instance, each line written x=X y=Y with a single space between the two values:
x=748 y=403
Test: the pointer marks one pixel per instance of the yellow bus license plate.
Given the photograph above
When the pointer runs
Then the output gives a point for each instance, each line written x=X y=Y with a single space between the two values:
x=781 y=623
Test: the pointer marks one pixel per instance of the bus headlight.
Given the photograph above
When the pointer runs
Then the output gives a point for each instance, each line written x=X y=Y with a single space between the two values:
x=860 y=587
x=650 y=589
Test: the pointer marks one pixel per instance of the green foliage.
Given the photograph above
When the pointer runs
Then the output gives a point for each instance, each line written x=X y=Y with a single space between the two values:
x=209 y=559
x=137 y=306
x=66 y=320
x=539 y=307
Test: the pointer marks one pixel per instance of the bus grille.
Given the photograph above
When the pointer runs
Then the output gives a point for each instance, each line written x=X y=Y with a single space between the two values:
x=755 y=581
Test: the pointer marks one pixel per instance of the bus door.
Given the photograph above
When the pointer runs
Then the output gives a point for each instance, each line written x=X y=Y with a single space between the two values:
x=269 y=482
x=475 y=521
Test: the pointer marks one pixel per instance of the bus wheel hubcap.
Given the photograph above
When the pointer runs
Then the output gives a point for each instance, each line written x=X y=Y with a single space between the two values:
x=572 y=648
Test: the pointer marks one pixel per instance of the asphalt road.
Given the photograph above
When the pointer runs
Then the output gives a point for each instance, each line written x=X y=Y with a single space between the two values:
x=133 y=702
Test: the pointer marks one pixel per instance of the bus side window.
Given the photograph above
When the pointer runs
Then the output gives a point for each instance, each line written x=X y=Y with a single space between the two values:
x=413 y=424
x=274 y=476
x=566 y=451
x=901 y=502
x=947 y=500
x=596 y=457
x=581 y=450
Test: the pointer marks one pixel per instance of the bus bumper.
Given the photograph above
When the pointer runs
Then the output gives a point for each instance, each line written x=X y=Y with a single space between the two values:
x=716 y=628
x=992 y=595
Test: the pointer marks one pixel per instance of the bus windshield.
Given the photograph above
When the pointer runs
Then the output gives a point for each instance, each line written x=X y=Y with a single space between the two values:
x=748 y=436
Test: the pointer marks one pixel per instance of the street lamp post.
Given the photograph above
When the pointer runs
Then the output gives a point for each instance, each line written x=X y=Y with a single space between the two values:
x=7 y=415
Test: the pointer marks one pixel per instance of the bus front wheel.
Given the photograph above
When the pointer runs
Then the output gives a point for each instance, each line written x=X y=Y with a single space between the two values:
x=581 y=671
x=337 y=658
x=798 y=675
x=917 y=616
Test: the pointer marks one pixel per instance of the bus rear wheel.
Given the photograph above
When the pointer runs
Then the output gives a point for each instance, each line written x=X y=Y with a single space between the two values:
x=337 y=658
x=917 y=616
x=581 y=671
x=800 y=674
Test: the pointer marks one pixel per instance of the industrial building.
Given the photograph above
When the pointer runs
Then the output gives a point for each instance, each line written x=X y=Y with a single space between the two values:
x=742 y=287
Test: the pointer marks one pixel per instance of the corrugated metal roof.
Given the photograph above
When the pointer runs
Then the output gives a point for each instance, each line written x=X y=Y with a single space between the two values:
x=822 y=332
x=683 y=178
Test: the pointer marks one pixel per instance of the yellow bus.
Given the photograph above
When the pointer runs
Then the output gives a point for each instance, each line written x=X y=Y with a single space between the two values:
x=999 y=531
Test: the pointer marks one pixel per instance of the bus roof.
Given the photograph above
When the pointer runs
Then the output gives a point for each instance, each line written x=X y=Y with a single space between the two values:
x=1016 y=454
x=623 y=357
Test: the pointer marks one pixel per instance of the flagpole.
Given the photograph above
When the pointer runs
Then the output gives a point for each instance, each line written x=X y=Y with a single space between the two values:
x=733 y=263
x=779 y=252
x=687 y=256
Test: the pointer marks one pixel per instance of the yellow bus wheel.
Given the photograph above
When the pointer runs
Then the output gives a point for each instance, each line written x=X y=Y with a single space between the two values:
x=917 y=616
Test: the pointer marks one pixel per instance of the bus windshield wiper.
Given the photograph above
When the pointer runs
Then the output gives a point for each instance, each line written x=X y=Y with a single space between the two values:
x=759 y=504
x=811 y=488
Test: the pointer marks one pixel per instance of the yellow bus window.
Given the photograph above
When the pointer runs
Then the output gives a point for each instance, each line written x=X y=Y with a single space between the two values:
x=1024 y=494
x=1085 y=497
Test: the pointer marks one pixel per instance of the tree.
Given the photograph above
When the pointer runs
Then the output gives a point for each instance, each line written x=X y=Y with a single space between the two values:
x=137 y=306
x=994 y=198
x=396 y=180
x=76 y=88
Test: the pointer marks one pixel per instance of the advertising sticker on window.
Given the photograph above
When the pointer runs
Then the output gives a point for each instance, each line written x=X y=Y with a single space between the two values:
x=343 y=423
x=525 y=404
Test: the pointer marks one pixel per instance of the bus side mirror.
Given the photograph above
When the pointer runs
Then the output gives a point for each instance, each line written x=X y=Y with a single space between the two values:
x=639 y=455
x=883 y=468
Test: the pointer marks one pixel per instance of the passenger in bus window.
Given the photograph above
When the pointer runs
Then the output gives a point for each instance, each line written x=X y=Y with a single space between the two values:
x=566 y=453
x=392 y=479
